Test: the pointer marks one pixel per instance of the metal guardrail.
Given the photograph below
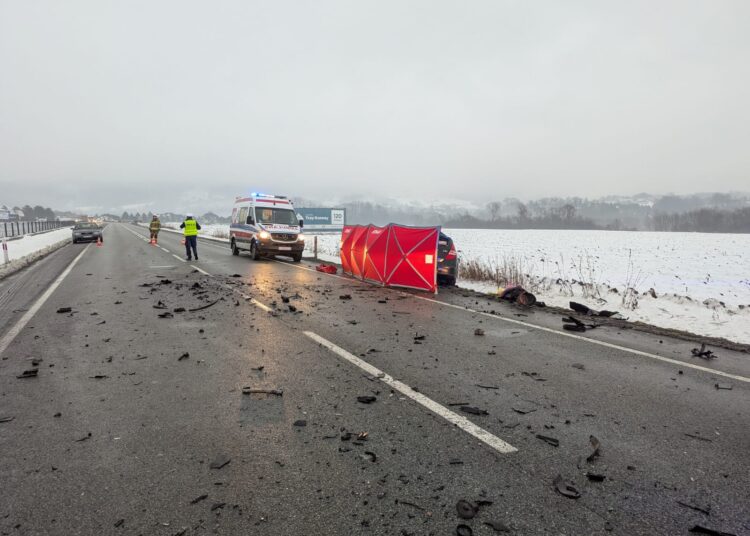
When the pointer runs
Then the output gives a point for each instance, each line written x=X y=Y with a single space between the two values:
x=11 y=229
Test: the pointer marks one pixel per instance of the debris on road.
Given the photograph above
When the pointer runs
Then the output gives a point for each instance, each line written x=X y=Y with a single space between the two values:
x=594 y=477
x=166 y=314
x=573 y=324
x=549 y=440
x=219 y=462
x=479 y=332
x=326 y=268
x=119 y=523
x=727 y=386
x=474 y=410
x=255 y=391
x=466 y=509
x=703 y=353
x=565 y=488
x=183 y=356
x=199 y=499
x=99 y=377
x=345 y=297
x=596 y=445
x=204 y=306
x=497 y=526
x=464 y=530
x=369 y=456
x=702 y=510
x=516 y=294
x=584 y=310
x=486 y=386
x=30 y=373
x=367 y=399
x=6 y=419
x=65 y=310
x=299 y=423
x=700 y=529
x=524 y=407
x=578 y=366
x=84 y=438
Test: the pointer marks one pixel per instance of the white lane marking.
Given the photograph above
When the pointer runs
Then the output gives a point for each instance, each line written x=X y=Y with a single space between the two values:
x=462 y=422
x=15 y=330
x=201 y=270
x=550 y=330
x=178 y=258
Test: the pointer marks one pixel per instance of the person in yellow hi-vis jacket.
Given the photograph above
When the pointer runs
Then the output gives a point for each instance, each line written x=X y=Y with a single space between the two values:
x=191 y=228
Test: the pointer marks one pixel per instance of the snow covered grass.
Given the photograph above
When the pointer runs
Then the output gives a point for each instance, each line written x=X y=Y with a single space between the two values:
x=690 y=281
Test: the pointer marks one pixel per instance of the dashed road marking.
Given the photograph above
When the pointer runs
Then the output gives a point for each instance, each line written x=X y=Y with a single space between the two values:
x=463 y=423
x=16 y=329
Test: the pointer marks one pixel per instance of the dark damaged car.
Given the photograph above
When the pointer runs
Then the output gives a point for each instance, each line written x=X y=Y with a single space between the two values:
x=447 y=268
x=87 y=232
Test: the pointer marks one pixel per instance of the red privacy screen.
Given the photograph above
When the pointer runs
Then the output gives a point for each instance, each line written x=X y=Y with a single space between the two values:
x=394 y=255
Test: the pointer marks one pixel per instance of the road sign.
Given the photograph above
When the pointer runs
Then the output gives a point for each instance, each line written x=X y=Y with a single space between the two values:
x=323 y=219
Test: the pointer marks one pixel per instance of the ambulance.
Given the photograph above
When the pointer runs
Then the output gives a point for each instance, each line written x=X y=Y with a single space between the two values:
x=266 y=226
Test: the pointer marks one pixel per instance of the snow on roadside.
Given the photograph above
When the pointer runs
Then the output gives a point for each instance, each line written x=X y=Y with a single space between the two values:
x=29 y=244
x=28 y=249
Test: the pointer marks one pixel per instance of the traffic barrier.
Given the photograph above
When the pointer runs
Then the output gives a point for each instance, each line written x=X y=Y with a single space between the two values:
x=394 y=255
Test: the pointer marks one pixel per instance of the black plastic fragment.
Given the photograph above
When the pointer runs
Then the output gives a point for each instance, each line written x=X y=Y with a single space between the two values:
x=367 y=399
x=464 y=530
x=466 y=510
x=30 y=373
x=183 y=356
x=474 y=410
x=565 y=488
x=65 y=310
x=549 y=440
x=700 y=529
x=299 y=423
x=199 y=499
x=594 y=477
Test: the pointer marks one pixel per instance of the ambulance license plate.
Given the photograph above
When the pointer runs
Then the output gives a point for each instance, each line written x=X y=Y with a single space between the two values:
x=285 y=248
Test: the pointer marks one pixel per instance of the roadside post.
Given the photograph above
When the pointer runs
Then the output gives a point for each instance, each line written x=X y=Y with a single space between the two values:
x=315 y=247
x=6 y=260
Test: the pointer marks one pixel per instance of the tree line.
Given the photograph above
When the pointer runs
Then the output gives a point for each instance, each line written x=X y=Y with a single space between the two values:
x=705 y=220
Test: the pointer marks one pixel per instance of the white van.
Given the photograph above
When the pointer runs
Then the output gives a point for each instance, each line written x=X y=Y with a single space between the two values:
x=266 y=226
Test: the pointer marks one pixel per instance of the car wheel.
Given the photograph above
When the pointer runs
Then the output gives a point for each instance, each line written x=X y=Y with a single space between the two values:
x=235 y=250
x=75 y=241
x=254 y=253
x=297 y=257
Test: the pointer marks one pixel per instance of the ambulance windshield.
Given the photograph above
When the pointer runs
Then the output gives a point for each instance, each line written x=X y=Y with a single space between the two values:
x=281 y=216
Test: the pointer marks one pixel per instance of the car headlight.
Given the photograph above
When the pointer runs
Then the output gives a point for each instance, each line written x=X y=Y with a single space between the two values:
x=264 y=235
x=301 y=237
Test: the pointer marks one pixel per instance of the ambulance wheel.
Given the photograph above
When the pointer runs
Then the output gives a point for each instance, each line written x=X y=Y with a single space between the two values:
x=297 y=257
x=235 y=250
x=254 y=253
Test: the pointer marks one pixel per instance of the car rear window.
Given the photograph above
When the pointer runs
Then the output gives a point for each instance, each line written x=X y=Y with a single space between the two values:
x=86 y=226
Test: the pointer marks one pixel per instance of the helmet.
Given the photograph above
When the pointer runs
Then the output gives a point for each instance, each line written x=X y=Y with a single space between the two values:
x=189 y=215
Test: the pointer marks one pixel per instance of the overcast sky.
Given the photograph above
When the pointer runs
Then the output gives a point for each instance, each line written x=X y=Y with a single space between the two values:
x=181 y=105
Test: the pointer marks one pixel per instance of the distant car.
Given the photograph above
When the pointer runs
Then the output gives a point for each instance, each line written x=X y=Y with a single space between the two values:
x=447 y=268
x=86 y=232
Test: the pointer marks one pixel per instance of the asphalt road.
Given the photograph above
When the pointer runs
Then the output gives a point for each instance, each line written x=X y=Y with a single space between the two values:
x=121 y=432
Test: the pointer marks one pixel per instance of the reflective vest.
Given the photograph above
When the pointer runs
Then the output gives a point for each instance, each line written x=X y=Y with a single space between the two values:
x=191 y=227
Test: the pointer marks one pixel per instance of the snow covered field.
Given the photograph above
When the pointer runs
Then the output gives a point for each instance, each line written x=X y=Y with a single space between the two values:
x=701 y=281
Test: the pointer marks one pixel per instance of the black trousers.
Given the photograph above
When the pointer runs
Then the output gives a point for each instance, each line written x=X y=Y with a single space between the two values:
x=191 y=242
